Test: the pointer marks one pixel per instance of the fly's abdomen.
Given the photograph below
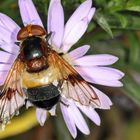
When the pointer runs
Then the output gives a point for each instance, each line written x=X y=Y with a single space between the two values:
x=44 y=96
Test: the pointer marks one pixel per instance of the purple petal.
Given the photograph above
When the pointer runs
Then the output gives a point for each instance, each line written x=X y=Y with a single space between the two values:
x=79 y=52
x=77 y=24
x=56 y=22
x=41 y=116
x=10 y=47
x=6 y=35
x=99 y=59
x=105 y=102
x=115 y=70
x=68 y=119
x=74 y=35
x=5 y=67
x=109 y=83
x=28 y=13
x=11 y=26
x=90 y=113
x=91 y=14
x=78 y=15
x=104 y=73
x=7 y=57
x=3 y=76
x=78 y=119
x=101 y=75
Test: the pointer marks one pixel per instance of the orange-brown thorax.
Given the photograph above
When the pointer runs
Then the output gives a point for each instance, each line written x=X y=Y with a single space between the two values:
x=34 y=53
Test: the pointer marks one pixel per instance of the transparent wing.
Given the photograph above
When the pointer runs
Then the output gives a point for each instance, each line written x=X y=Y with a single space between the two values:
x=11 y=94
x=72 y=84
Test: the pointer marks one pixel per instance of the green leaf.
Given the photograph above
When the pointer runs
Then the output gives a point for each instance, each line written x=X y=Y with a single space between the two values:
x=134 y=45
x=101 y=20
x=113 y=6
x=132 y=21
x=123 y=20
x=91 y=27
x=101 y=2
x=131 y=89
x=134 y=66
x=42 y=6
x=133 y=5
x=9 y=7
x=116 y=5
x=61 y=129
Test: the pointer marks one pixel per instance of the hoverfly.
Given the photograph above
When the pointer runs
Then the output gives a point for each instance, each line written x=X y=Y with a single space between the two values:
x=40 y=75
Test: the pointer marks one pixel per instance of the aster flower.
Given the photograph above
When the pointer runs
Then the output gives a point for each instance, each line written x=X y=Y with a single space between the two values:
x=93 y=68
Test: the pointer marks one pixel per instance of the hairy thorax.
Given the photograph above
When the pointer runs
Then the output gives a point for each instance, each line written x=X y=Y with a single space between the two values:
x=44 y=77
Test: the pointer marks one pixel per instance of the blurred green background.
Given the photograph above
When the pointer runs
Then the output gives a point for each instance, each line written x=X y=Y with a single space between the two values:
x=115 y=29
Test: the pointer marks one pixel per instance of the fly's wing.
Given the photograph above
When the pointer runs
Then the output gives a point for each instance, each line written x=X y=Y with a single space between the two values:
x=72 y=84
x=11 y=94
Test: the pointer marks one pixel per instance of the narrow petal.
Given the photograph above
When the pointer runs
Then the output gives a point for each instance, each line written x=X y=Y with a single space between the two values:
x=10 y=47
x=7 y=57
x=3 y=76
x=78 y=119
x=89 y=75
x=79 y=52
x=41 y=116
x=68 y=120
x=90 y=113
x=105 y=102
x=77 y=16
x=91 y=14
x=56 y=22
x=5 y=67
x=77 y=31
x=28 y=13
x=99 y=60
x=109 y=83
x=115 y=70
x=104 y=73
x=11 y=26
x=6 y=35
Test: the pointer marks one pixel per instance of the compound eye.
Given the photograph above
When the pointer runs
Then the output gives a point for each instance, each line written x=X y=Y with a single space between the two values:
x=22 y=34
x=30 y=30
x=38 y=30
